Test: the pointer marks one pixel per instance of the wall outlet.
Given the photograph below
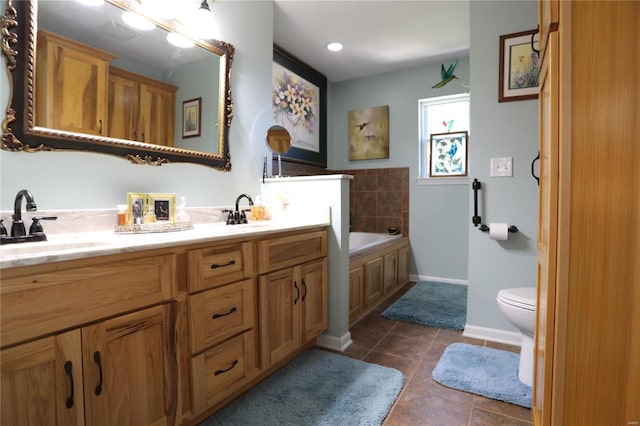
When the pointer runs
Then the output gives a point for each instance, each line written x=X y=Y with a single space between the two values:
x=502 y=167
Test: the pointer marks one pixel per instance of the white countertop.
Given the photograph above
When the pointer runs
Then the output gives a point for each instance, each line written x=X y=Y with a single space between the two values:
x=61 y=247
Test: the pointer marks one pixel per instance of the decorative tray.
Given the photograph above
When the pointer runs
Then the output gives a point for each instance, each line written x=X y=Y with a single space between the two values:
x=146 y=228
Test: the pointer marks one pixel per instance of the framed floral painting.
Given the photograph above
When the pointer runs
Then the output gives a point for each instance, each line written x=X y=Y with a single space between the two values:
x=300 y=106
x=518 y=71
x=448 y=154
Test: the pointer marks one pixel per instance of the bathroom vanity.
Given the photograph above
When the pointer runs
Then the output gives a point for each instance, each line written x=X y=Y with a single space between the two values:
x=156 y=329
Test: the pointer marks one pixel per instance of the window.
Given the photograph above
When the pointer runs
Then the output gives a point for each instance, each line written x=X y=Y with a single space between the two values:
x=440 y=115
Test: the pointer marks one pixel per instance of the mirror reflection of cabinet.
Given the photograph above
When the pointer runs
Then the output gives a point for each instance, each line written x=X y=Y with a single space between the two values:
x=71 y=85
x=140 y=109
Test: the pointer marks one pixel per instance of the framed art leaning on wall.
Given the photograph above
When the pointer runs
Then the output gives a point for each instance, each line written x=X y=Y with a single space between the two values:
x=448 y=154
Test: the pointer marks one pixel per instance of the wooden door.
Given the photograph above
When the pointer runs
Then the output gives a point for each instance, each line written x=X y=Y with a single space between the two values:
x=123 y=107
x=156 y=117
x=315 y=309
x=356 y=297
x=373 y=281
x=547 y=232
x=130 y=369
x=280 y=301
x=42 y=382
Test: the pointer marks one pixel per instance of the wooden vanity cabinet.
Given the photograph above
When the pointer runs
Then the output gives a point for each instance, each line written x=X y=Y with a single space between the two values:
x=293 y=299
x=71 y=85
x=119 y=370
x=140 y=108
x=222 y=321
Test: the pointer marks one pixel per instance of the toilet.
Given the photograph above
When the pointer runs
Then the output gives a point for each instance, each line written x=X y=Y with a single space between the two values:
x=519 y=306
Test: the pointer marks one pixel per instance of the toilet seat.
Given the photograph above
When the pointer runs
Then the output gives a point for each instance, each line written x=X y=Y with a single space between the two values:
x=521 y=297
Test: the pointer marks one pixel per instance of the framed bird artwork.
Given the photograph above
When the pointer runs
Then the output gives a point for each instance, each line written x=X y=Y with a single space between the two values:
x=448 y=154
x=369 y=133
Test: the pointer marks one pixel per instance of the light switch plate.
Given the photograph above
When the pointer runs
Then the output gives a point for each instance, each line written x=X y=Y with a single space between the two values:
x=502 y=167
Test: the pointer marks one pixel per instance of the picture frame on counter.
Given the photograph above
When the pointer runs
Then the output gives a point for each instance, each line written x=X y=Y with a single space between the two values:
x=164 y=206
x=136 y=205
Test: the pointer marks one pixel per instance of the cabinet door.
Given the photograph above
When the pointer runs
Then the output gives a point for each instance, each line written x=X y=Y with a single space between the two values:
x=390 y=271
x=403 y=265
x=130 y=368
x=280 y=301
x=356 y=297
x=315 y=311
x=155 y=123
x=547 y=232
x=123 y=108
x=71 y=86
x=373 y=279
x=42 y=382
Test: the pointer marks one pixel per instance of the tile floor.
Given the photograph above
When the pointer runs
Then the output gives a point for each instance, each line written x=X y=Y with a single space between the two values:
x=415 y=350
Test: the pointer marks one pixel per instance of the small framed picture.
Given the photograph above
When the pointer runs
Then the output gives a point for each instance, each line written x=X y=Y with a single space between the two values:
x=191 y=118
x=448 y=154
x=164 y=206
x=136 y=203
x=518 y=72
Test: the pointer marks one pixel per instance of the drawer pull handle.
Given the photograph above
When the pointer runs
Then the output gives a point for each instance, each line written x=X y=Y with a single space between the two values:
x=295 y=284
x=305 y=290
x=96 y=358
x=233 y=364
x=232 y=310
x=216 y=266
x=68 y=370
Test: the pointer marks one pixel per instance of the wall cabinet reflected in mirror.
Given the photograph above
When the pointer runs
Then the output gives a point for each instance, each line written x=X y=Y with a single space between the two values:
x=95 y=91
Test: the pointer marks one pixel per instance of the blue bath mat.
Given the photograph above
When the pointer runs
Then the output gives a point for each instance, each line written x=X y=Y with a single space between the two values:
x=433 y=304
x=317 y=388
x=484 y=371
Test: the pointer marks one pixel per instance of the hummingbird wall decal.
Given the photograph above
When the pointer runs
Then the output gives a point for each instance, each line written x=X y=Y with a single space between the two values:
x=447 y=75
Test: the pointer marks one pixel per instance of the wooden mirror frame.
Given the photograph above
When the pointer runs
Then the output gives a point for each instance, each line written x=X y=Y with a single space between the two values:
x=19 y=132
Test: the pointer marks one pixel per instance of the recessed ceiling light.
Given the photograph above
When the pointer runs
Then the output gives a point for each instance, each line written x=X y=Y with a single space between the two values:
x=334 y=47
x=136 y=21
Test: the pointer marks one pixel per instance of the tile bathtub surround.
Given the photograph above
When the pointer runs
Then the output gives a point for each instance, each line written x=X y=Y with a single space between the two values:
x=379 y=198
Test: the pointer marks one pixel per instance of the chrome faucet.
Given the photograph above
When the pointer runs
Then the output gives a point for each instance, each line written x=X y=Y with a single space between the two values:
x=237 y=216
x=17 y=228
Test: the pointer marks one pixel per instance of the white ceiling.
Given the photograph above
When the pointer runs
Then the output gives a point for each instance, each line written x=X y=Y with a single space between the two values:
x=378 y=36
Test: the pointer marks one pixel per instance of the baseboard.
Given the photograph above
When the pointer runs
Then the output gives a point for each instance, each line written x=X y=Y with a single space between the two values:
x=334 y=343
x=493 y=335
x=438 y=279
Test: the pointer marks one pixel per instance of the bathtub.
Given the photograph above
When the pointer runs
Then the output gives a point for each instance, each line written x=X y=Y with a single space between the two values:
x=378 y=267
x=361 y=242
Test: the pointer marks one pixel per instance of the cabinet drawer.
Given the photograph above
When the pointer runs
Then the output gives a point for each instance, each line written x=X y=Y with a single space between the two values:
x=217 y=314
x=214 y=266
x=39 y=304
x=282 y=252
x=221 y=370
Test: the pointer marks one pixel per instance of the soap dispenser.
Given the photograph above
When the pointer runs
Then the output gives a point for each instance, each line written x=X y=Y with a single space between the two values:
x=181 y=210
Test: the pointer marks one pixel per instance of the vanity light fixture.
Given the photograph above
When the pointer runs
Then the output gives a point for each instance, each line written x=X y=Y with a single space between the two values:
x=334 y=47
x=205 y=22
x=136 y=21
x=179 y=40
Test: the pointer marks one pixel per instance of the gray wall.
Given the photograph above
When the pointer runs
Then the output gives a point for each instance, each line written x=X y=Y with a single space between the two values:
x=72 y=180
x=508 y=129
x=438 y=214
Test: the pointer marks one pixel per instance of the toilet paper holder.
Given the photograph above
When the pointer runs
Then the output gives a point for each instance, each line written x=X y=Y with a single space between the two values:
x=476 y=219
x=512 y=229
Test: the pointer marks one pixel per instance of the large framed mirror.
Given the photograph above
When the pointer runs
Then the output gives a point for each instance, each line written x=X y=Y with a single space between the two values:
x=81 y=79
